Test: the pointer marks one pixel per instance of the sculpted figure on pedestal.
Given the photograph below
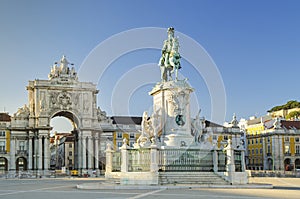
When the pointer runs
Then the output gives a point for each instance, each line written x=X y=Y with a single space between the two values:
x=170 y=58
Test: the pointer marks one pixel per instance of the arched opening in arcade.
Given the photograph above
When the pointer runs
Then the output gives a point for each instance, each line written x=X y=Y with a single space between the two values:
x=21 y=164
x=270 y=164
x=287 y=165
x=3 y=165
x=63 y=142
x=297 y=164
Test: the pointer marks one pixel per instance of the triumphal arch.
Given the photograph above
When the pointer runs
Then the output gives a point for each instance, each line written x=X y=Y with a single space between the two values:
x=61 y=95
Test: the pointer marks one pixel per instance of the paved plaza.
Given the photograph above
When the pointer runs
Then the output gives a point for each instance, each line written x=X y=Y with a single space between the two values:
x=66 y=188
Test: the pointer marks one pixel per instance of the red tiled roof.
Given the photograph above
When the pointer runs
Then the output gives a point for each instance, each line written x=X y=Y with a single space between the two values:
x=4 y=117
x=290 y=124
x=127 y=120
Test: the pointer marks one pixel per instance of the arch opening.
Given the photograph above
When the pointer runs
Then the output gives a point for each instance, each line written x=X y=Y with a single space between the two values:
x=64 y=142
x=3 y=165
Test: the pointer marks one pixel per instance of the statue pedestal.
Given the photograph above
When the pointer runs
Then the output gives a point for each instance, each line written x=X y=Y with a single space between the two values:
x=171 y=101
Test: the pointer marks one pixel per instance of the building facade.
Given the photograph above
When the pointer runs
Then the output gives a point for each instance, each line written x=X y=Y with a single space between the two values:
x=4 y=142
x=272 y=143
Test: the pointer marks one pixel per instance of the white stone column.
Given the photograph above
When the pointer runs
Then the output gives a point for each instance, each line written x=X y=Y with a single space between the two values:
x=108 y=166
x=215 y=160
x=265 y=153
x=30 y=153
x=230 y=167
x=124 y=156
x=281 y=152
x=243 y=160
x=90 y=152
x=97 y=153
x=40 y=153
x=13 y=153
x=154 y=158
x=35 y=156
x=83 y=152
x=79 y=152
x=46 y=154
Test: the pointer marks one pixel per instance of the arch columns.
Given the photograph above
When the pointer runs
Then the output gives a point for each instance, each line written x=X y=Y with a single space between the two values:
x=46 y=155
x=97 y=155
x=83 y=149
x=79 y=152
x=40 y=152
x=13 y=154
x=90 y=152
x=30 y=148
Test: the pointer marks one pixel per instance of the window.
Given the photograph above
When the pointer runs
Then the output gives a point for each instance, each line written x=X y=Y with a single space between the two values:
x=120 y=144
x=268 y=139
x=2 y=146
x=131 y=135
x=70 y=153
x=119 y=135
x=260 y=151
x=297 y=149
x=252 y=151
x=256 y=141
x=248 y=141
x=296 y=139
x=70 y=145
x=214 y=137
x=131 y=144
x=286 y=139
x=260 y=140
x=256 y=151
x=70 y=161
x=269 y=149
x=225 y=137
x=287 y=149
x=252 y=141
x=21 y=145
x=2 y=133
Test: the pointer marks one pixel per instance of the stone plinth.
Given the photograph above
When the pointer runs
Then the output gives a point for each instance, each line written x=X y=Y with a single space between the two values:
x=171 y=102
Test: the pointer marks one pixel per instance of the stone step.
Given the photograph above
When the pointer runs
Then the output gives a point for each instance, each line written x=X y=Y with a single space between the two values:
x=191 y=178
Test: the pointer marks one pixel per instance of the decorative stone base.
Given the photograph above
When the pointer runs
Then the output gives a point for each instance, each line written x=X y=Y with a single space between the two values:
x=235 y=178
x=139 y=178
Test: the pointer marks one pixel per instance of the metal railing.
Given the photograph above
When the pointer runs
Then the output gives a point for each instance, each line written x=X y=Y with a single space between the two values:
x=238 y=161
x=139 y=160
x=221 y=160
x=116 y=162
x=185 y=160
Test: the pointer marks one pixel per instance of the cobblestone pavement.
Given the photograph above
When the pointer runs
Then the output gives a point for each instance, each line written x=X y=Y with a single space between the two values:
x=65 y=188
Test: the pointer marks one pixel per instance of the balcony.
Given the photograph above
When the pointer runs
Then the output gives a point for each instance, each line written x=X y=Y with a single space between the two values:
x=21 y=153
x=297 y=154
x=287 y=154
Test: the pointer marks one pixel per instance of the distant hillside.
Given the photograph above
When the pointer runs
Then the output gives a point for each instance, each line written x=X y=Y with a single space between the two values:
x=289 y=105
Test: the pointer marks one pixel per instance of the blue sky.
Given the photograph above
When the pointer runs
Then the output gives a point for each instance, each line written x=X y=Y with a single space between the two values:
x=254 y=44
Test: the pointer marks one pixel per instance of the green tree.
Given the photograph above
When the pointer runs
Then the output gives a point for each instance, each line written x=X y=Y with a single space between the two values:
x=293 y=114
x=289 y=105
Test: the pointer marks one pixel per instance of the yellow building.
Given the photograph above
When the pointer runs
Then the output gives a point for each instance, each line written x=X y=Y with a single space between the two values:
x=254 y=153
x=272 y=144
x=282 y=146
x=126 y=127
